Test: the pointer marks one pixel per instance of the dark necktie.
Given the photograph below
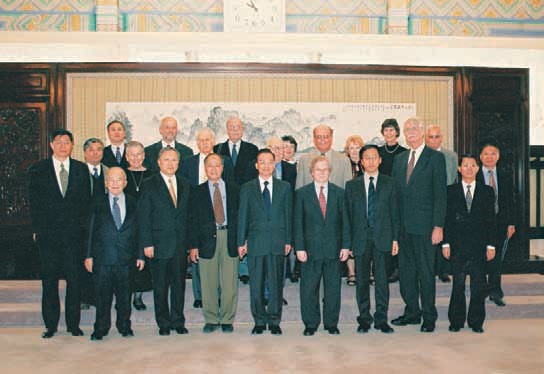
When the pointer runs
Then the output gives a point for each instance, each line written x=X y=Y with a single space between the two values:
x=468 y=198
x=267 y=199
x=493 y=185
x=95 y=173
x=322 y=202
x=116 y=212
x=411 y=164
x=218 y=210
x=371 y=193
x=118 y=155
x=234 y=155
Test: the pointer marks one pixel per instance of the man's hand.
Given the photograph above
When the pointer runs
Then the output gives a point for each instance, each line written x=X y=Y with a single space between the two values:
x=302 y=256
x=344 y=254
x=140 y=264
x=437 y=236
x=490 y=254
x=395 y=248
x=446 y=252
x=89 y=264
x=510 y=231
x=149 y=252
x=287 y=249
x=193 y=255
x=242 y=250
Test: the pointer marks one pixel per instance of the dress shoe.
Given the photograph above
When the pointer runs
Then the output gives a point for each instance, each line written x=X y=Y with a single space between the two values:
x=394 y=277
x=309 y=331
x=95 y=336
x=384 y=327
x=363 y=327
x=182 y=330
x=164 y=331
x=227 y=327
x=275 y=330
x=197 y=304
x=403 y=321
x=84 y=306
x=47 y=334
x=258 y=330
x=244 y=279
x=454 y=328
x=138 y=303
x=76 y=332
x=497 y=300
x=427 y=326
x=444 y=277
x=478 y=330
x=284 y=301
x=210 y=327
x=126 y=333
x=333 y=330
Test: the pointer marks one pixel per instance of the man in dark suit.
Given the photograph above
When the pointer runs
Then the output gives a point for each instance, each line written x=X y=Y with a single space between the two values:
x=59 y=195
x=420 y=174
x=163 y=224
x=168 y=131
x=212 y=236
x=193 y=169
x=93 y=150
x=240 y=154
x=264 y=234
x=372 y=208
x=505 y=212
x=115 y=153
x=110 y=251
x=468 y=237
x=320 y=244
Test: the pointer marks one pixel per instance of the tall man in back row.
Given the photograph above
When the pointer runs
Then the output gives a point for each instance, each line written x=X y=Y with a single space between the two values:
x=421 y=176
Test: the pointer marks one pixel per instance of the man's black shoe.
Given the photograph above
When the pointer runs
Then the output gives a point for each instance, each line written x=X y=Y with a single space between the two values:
x=403 y=321
x=164 y=331
x=227 y=327
x=95 y=336
x=258 y=330
x=244 y=279
x=384 y=327
x=333 y=330
x=308 y=331
x=182 y=330
x=427 y=326
x=363 y=327
x=48 y=334
x=275 y=330
x=76 y=332
x=210 y=327
x=197 y=304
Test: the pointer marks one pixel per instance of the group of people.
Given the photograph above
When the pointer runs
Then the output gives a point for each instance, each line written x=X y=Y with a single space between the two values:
x=130 y=218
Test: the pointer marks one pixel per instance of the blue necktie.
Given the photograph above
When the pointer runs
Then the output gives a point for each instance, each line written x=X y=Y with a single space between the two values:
x=266 y=197
x=116 y=212
x=95 y=173
x=118 y=155
x=371 y=192
x=234 y=155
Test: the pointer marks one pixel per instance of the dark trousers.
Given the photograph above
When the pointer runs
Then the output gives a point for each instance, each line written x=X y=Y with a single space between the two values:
x=493 y=268
x=312 y=272
x=87 y=293
x=457 y=312
x=443 y=266
x=169 y=274
x=362 y=282
x=58 y=261
x=261 y=268
x=416 y=265
x=110 y=280
x=391 y=263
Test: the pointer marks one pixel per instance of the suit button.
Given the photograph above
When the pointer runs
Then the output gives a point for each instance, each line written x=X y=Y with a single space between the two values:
x=214 y=235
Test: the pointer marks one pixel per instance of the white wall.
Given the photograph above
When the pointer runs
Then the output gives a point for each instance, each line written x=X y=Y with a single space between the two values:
x=288 y=48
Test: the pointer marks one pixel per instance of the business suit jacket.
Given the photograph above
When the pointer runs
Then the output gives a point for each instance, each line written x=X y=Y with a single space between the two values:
x=507 y=205
x=98 y=186
x=451 y=165
x=469 y=233
x=423 y=198
x=160 y=223
x=321 y=238
x=246 y=153
x=340 y=164
x=265 y=234
x=106 y=244
x=109 y=159
x=387 y=214
x=152 y=155
x=288 y=172
x=202 y=227
x=190 y=168
x=54 y=217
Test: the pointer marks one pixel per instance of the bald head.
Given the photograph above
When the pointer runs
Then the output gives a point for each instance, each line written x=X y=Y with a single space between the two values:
x=323 y=138
x=235 y=129
x=116 y=180
x=169 y=129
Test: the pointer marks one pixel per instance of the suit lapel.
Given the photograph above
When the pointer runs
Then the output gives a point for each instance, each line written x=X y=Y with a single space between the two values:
x=420 y=164
x=314 y=199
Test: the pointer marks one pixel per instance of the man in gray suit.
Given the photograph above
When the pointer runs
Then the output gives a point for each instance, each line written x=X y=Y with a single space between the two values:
x=421 y=176
x=373 y=229
x=264 y=234
x=433 y=139
x=321 y=245
x=340 y=165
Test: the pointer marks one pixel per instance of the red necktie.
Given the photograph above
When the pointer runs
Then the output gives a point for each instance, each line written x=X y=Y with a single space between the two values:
x=322 y=202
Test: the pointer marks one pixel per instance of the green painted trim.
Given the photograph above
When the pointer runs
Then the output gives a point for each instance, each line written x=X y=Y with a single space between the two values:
x=92 y=22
